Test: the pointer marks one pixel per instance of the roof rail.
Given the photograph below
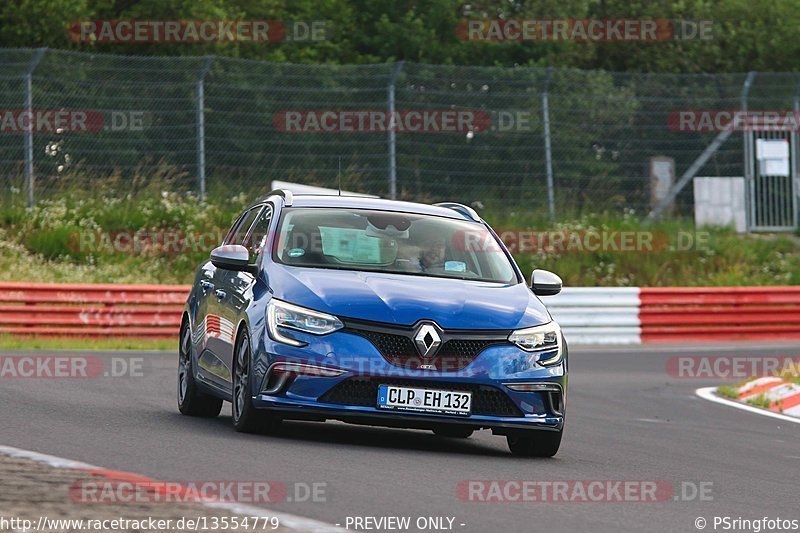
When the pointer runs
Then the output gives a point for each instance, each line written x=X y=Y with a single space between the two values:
x=461 y=208
x=286 y=194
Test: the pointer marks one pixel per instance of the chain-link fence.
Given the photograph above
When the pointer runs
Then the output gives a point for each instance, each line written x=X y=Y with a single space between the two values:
x=561 y=139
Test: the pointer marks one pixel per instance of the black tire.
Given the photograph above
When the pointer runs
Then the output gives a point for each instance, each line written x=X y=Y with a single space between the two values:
x=453 y=432
x=246 y=418
x=534 y=443
x=191 y=401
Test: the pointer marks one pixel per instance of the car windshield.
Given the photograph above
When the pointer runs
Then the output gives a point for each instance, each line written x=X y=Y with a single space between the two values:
x=399 y=243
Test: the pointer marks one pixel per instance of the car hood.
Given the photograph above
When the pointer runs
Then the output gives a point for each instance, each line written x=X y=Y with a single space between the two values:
x=405 y=299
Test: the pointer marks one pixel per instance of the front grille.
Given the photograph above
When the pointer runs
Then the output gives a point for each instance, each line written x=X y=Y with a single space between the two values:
x=456 y=352
x=466 y=347
x=390 y=346
x=363 y=392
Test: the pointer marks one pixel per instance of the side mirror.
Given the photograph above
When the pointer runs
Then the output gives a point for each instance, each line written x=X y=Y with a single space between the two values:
x=232 y=257
x=545 y=283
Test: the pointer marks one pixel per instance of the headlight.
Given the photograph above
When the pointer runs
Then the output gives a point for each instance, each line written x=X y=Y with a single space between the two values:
x=540 y=339
x=285 y=315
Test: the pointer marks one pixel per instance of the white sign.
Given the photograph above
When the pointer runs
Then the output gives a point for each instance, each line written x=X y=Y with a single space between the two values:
x=772 y=149
x=773 y=157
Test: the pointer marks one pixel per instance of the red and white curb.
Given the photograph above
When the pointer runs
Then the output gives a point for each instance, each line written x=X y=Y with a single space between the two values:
x=289 y=521
x=636 y=315
x=783 y=396
x=710 y=394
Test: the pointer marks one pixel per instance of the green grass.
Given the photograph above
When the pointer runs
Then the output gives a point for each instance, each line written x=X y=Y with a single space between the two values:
x=790 y=376
x=723 y=257
x=729 y=391
x=760 y=401
x=732 y=391
x=13 y=342
x=45 y=243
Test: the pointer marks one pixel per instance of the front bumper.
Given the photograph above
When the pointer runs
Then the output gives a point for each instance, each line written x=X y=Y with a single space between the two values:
x=348 y=397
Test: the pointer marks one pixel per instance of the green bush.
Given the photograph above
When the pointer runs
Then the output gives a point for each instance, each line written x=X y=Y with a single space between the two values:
x=43 y=244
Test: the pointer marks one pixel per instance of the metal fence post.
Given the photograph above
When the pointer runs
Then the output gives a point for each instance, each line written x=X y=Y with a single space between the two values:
x=795 y=187
x=29 y=131
x=749 y=156
x=392 y=140
x=200 y=120
x=548 y=150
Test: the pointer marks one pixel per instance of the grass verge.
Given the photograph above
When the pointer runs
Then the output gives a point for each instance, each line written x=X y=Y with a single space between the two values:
x=76 y=238
x=14 y=342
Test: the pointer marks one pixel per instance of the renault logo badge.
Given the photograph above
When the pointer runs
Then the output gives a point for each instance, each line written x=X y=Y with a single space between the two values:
x=427 y=340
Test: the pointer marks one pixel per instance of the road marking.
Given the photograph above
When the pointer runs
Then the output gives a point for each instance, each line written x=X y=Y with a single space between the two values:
x=707 y=393
x=287 y=520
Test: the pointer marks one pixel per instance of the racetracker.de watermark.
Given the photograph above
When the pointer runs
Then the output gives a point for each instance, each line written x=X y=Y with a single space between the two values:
x=70 y=120
x=381 y=121
x=582 y=491
x=197 y=31
x=732 y=366
x=144 y=242
x=70 y=366
x=717 y=120
x=525 y=241
x=591 y=30
x=467 y=121
x=146 y=491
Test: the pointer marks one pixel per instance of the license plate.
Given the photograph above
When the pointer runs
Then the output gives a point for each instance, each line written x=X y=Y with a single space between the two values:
x=446 y=402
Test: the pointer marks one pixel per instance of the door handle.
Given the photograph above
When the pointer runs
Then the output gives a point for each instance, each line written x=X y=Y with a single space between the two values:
x=220 y=294
x=206 y=285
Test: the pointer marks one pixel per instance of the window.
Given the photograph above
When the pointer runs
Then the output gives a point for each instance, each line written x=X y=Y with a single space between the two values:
x=238 y=232
x=256 y=239
x=383 y=241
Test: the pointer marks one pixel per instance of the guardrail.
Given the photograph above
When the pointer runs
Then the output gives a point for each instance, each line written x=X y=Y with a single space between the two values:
x=54 y=309
x=597 y=315
x=588 y=315
x=719 y=313
x=671 y=314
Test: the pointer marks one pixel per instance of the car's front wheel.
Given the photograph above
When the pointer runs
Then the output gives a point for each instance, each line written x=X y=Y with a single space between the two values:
x=191 y=401
x=534 y=443
x=246 y=418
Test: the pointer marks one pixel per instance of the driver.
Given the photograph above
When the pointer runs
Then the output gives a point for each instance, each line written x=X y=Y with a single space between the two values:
x=432 y=252
x=425 y=256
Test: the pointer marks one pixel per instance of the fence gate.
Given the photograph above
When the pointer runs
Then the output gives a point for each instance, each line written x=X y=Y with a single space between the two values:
x=771 y=180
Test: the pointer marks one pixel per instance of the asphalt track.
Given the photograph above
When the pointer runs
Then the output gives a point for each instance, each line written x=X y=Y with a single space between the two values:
x=627 y=419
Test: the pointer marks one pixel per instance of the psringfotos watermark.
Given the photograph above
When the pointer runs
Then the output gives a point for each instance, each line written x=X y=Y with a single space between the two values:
x=732 y=366
x=198 y=31
x=752 y=525
x=145 y=491
x=641 y=30
x=70 y=366
x=71 y=120
x=582 y=491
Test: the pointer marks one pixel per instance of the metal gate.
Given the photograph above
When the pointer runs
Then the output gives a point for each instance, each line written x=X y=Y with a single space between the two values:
x=771 y=180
